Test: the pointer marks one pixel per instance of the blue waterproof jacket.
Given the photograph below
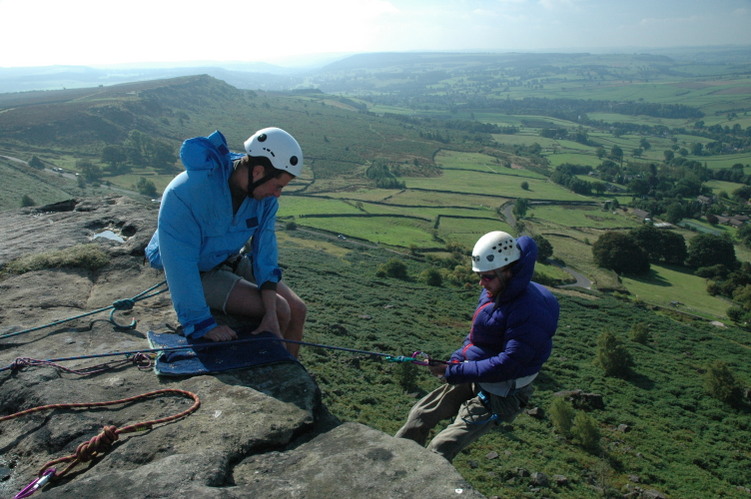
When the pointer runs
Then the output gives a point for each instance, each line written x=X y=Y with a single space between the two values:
x=510 y=337
x=197 y=230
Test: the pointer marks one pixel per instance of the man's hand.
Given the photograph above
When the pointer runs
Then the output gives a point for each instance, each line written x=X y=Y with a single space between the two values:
x=438 y=370
x=221 y=333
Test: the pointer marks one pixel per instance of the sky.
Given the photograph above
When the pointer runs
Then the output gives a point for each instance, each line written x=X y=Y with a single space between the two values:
x=290 y=32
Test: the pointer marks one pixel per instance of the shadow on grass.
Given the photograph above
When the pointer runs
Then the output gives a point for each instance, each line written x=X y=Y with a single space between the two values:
x=640 y=380
x=652 y=278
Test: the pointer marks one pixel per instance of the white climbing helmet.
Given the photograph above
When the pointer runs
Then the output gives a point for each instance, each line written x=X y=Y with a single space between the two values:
x=279 y=147
x=494 y=250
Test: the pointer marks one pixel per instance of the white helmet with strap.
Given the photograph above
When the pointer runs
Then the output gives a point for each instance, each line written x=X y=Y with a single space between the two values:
x=279 y=147
x=494 y=250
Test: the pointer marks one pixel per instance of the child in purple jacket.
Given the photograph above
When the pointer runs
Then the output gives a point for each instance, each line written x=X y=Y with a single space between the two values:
x=489 y=379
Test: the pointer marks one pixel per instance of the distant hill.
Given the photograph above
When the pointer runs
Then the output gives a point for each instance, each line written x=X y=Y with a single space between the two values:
x=177 y=108
x=63 y=127
x=255 y=76
x=318 y=72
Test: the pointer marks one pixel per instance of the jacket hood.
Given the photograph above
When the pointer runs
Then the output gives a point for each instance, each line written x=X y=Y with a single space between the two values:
x=207 y=153
x=523 y=270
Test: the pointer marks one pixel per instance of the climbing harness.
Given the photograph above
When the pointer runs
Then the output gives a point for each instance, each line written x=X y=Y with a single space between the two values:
x=117 y=305
x=101 y=443
x=419 y=358
x=485 y=399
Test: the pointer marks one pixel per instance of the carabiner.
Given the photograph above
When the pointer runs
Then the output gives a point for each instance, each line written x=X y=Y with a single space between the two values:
x=36 y=484
x=422 y=355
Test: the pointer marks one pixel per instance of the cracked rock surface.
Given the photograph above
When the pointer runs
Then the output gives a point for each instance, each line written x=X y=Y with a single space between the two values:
x=259 y=432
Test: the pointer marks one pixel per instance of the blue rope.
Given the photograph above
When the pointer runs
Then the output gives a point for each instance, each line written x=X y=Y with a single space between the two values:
x=388 y=358
x=118 y=305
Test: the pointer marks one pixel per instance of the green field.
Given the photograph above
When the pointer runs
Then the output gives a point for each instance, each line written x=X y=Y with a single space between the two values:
x=676 y=289
x=575 y=217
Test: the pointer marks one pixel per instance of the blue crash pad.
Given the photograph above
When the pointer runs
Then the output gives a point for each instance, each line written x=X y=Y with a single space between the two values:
x=205 y=356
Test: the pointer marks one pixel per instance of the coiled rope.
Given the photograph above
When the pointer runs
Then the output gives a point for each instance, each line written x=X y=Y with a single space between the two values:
x=117 y=305
x=101 y=443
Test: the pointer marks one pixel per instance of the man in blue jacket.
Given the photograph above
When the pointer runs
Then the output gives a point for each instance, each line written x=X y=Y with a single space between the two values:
x=222 y=202
x=489 y=379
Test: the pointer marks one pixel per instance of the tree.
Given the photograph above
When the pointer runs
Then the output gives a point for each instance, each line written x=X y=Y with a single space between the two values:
x=521 y=206
x=706 y=250
x=162 y=157
x=136 y=147
x=612 y=356
x=586 y=432
x=393 y=268
x=562 y=416
x=721 y=383
x=619 y=252
x=742 y=193
x=89 y=171
x=37 y=163
x=114 y=156
x=616 y=154
x=26 y=201
x=662 y=246
x=744 y=234
x=673 y=247
x=525 y=185
x=675 y=212
x=146 y=187
x=640 y=333
x=431 y=277
x=544 y=249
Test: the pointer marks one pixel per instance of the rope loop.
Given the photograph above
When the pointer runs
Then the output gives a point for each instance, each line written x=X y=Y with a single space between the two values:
x=102 y=442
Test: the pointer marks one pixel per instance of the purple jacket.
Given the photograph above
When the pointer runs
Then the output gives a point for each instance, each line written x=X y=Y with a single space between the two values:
x=513 y=337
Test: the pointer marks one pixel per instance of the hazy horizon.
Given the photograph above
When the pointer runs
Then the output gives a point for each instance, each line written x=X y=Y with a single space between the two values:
x=292 y=32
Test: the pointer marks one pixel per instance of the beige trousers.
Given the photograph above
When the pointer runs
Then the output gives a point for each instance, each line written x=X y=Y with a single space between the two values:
x=471 y=418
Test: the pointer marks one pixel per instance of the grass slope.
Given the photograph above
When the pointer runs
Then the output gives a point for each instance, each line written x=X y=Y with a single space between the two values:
x=679 y=440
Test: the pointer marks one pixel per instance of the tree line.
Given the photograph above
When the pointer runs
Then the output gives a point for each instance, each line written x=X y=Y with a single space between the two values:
x=708 y=255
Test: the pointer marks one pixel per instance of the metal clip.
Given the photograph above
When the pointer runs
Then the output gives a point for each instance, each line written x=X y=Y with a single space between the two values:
x=418 y=356
x=36 y=484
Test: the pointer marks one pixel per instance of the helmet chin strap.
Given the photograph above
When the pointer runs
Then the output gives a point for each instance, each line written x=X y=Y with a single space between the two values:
x=252 y=185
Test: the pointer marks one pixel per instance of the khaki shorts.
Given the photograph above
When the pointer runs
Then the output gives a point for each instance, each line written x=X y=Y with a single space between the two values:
x=219 y=282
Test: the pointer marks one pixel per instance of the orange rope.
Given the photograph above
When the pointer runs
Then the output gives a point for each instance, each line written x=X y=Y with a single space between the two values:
x=102 y=442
